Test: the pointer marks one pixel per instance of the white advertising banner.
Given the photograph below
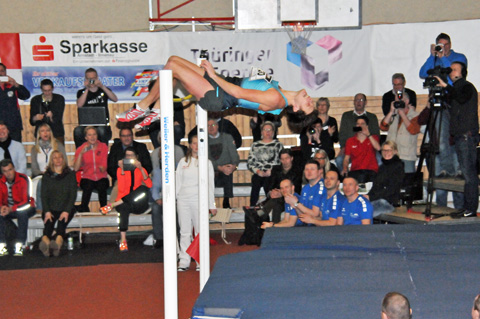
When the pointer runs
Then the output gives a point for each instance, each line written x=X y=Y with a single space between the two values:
x=336 y=63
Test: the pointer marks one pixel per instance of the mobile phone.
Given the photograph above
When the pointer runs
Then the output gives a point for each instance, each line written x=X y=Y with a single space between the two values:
x=357 y=129
x=3 y=78
x=128 y=164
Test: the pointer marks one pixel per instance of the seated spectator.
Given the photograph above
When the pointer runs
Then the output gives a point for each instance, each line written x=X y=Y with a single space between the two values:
x=361 y=151
x=117 y=152
x=396 y=306
x=59 y=192
x=290 y=218
x=129 y=180
x=13 y=150
x=264 y=155
x=91 y=159
x=48 y=108
x=224 y=126
x=41 y=152
x=356 y=209
x=403 y=128
x=476 y=308
x=330 y=205
x=286 y=170
x=385 y=192
x=44 y=146
x=312 y=192
x=225 y=159
x=17 y=203
x=322 y=158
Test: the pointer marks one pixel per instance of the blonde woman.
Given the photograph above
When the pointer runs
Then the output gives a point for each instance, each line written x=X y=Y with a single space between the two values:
x=45 y=144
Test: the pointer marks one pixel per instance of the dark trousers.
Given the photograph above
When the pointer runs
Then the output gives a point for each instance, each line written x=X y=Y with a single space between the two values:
x=276 y=206
x=124 y=211
x=22 y=220
x=88 y=186
x=225 y=181
x=157 y=221
x=257 y=183
x=104 y=134
x=61 y=225
x=363 y=175
x=466 y=147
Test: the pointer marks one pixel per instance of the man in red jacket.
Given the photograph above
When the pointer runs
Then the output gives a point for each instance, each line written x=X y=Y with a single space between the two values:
x=16 y=203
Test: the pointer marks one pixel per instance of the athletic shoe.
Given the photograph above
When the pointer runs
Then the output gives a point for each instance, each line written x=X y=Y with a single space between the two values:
x=197 y=268
x=132 y=114
x=180 y=269
x=123 y=246
x=106 y=209
x=152 y=117
x=3 y=250
x=18 y=250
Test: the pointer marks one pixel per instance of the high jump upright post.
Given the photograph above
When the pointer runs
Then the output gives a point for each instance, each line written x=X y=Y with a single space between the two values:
x=203 y=187
x=168 y=196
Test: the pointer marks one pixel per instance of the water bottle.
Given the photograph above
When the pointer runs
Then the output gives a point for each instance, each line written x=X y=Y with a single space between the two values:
x=70 y=243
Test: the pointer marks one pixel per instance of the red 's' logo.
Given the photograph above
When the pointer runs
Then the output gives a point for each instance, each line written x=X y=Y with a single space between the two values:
x=43 y=52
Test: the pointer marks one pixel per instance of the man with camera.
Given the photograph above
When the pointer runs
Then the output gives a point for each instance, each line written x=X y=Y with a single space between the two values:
x=349 y=120
x=441 y=55
x=398 y=83
x=10 y=92
x=463 y=100
x=48 y=107
x=403 y=128
x=94 y=94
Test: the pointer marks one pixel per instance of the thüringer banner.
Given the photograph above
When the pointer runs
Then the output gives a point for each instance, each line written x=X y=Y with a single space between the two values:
x=336 y=63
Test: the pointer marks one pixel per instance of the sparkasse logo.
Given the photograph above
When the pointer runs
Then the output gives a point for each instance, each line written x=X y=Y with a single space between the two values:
x=42 y=52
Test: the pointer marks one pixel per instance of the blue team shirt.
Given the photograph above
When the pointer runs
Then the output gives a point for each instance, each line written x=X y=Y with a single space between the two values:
x=331 y=207
x=311 y=195
x=291 y=210
x=354 y=212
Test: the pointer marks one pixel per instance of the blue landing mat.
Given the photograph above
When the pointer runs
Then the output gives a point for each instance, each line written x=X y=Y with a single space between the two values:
x=344 y=272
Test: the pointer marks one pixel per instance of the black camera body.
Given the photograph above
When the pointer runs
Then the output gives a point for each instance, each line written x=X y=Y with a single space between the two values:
x=399 y=104
x=431 y=81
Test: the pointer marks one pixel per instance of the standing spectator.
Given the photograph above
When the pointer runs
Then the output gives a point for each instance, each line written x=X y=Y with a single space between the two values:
x=44 y=146
x=91 y=158
x=356 y=209
x=117 y=152
x=402 y=126
x=396 y=306
x=398 y=83
x=286 y=170
x=257 y=121
x=225 y=159
x=463 y=98
x=17 y=203
x=94 y=94
x=361 y=150
x=441 y=54
x=264 y=154
x=59 y=191
x=48 y=108
x=349 y=120
x=187 y=200
x=13 y=150
x=10 y=92
x=385 y=192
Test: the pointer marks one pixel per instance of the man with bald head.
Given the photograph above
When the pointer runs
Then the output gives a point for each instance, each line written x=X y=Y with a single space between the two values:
x=396 y=306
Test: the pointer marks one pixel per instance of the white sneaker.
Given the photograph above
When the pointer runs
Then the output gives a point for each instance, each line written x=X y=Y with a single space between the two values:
x=149 y=240
x=3 y=250
x=152 y=117
x=132 y=114
x=18 y=249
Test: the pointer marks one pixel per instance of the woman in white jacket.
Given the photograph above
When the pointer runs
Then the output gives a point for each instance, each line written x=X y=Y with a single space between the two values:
x=187 y=199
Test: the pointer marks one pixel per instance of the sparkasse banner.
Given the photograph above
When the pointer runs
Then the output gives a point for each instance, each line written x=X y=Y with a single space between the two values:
x=125 y=62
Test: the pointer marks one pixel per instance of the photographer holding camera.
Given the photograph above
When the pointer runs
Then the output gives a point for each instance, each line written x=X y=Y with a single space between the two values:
x=441 y=55
x=463 y=99
x=403 y=128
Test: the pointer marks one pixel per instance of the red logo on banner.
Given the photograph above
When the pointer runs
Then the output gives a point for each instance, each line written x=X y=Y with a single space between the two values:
x=42 y=52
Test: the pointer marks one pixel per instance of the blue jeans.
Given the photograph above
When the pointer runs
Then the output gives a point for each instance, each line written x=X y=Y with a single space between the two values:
x=466 y=147
x=22 y=220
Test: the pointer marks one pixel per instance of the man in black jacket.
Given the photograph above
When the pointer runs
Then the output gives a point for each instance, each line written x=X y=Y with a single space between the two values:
x=118 y=148
x=463 y=100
